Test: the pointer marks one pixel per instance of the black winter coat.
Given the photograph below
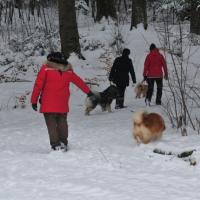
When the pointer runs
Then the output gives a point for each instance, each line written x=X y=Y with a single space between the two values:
x=120 y=70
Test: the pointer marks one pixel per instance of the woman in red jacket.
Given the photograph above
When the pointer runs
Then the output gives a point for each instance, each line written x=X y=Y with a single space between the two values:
x=155 y=68
x=52 y=89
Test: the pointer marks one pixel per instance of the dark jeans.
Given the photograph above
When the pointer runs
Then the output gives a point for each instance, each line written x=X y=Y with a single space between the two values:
x=120 y=97
x=57 y=128
x=159 y=83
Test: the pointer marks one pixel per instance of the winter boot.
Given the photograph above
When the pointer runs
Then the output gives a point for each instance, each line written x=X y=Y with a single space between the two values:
x=63 y=147
x=56 y=148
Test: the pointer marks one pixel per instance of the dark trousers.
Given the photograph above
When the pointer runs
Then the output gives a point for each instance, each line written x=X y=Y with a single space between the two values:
x=57 y=128
x=120 y=97
x=159 y=83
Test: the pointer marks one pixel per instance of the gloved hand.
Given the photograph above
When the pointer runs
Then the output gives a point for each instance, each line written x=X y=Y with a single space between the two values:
x=34 y=106
x=166 y=77
x=133 y=85
x=145 y=78
x=90 y=93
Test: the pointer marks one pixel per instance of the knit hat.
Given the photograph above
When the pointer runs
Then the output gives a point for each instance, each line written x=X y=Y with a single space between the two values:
x=152 y=47
x=126 y=52
x=57 y=57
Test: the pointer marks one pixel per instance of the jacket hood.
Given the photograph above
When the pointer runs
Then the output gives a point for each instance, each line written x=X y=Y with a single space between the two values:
x=59 y=66
x=154 y=50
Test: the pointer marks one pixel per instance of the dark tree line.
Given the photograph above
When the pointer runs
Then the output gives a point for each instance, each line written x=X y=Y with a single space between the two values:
x=99 y=9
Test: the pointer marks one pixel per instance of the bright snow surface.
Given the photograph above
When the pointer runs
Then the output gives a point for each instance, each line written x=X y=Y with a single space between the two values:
x=103 y=162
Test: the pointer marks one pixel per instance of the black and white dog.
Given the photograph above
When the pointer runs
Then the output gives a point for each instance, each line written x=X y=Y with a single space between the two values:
x=104 y=99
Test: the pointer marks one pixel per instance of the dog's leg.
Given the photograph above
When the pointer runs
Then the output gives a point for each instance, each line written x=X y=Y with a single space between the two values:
x=138 y=139
x=108 y=108
x=87 y=110
x=103 y=107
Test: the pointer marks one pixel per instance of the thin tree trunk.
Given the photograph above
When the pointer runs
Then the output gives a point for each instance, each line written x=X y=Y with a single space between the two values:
x=125 y=6
x=105 y=9
x=87 y=2
x=195 y=17
x=68 y=27
x=119 y=5
x=139 y=13
x=93 y=3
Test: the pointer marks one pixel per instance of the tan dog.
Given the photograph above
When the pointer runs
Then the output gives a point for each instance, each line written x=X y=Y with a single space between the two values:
x=141 y=90
x=147 y=126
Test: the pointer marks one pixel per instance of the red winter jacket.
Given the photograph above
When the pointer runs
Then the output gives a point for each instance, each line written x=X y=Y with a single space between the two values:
x=155 y=65
x=52 y=85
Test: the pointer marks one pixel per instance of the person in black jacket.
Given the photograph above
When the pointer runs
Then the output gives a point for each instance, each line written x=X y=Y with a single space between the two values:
x=119 y=75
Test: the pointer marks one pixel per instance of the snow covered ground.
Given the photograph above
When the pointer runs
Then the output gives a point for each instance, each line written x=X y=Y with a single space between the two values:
x=103 y=161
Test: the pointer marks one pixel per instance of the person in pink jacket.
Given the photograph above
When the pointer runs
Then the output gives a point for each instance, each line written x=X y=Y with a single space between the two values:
x=155 y=68
x=51 y=89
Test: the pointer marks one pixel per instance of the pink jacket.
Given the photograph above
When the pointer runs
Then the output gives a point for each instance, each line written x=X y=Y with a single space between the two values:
x=155 y=65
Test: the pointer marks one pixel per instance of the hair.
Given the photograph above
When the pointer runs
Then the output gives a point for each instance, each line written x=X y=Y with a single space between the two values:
x=126 y=52
x=152 y=47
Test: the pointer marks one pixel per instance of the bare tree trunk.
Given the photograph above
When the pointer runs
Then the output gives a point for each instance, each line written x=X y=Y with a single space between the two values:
x=93 y=5
x=32 y=6
x=125 y=6
x=1 y=10
x=139 y=13
x=18 y=5
x=10 y=12
x=195 y=17
x=119 y=5
x=106 y=9
x=87 y=2
x=68 y=27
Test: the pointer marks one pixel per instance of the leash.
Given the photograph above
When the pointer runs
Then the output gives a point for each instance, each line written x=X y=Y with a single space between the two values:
x=111 y=83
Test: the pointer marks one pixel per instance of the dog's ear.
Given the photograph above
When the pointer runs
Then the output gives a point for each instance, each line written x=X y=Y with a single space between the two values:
x=138 y=117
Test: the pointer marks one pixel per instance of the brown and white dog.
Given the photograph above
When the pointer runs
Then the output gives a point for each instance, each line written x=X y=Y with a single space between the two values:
x=147 y=126
x=141 y=90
